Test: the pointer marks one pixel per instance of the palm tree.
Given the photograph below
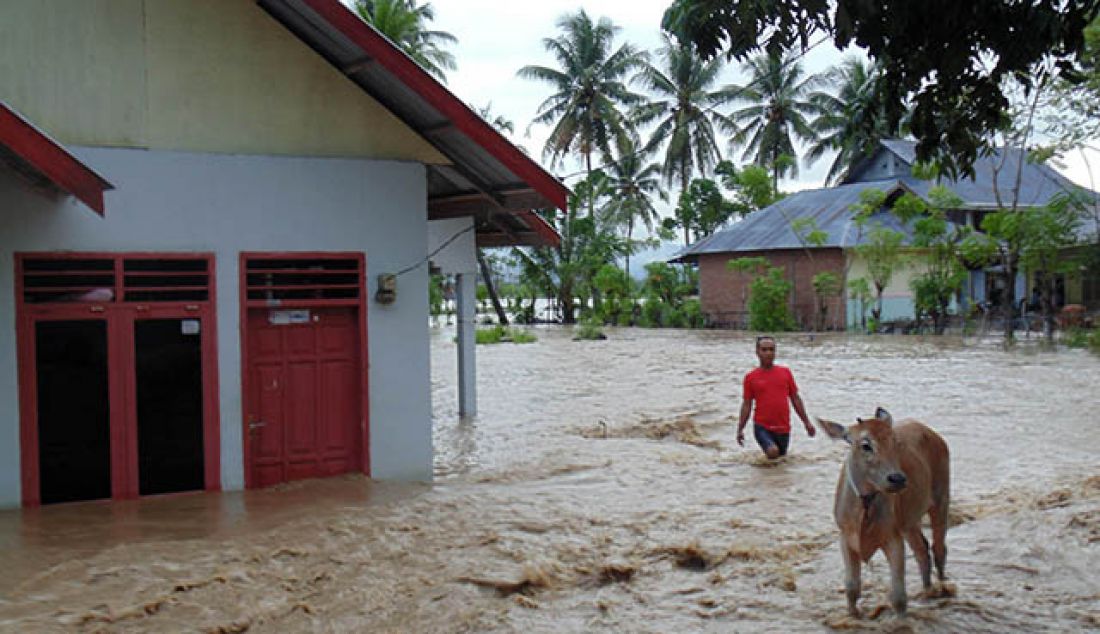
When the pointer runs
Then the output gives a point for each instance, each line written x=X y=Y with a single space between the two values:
x=633 y=183
x=854 y=120
x=684 y=105
x=778 y=98
x=589 y=90
x=405 y=22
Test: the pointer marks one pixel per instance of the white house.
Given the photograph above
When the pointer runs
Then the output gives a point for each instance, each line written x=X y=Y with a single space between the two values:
x=215 y=247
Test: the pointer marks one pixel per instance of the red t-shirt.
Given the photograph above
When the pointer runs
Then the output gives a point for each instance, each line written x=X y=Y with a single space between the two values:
x=771 y=390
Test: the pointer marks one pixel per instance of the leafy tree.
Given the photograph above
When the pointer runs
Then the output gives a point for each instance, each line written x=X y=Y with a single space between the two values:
x=615 y=288
x=665 y=292
x=633 y=182
x=751 y=187
x=939 y=241
x=852 y=122
x=826 y=284
x=405 y=23
x=702 y=209
x=778 y=98
x=955 y=82
x=769 y=296
x=683 y=103
x=881 y=249
x=859 y=290
x=585 y=111
x=566 y=272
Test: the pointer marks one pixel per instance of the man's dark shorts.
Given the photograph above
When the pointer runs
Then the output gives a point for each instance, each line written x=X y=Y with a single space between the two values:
x=766 y=438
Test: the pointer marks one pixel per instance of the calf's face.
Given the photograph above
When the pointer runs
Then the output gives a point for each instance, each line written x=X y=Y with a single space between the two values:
x=873 y=453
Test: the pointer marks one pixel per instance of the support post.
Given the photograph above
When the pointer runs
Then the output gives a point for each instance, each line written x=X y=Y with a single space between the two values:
x=466 y=294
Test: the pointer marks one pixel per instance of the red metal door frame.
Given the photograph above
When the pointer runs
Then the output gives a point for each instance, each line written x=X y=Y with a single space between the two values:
x=364 y=367
x=119 y=316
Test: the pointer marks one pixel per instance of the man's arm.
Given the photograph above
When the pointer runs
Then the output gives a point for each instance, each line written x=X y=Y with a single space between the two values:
x=800 y=409
x=746 y=410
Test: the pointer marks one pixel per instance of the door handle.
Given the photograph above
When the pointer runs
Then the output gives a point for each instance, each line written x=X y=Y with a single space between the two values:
x=252 y=425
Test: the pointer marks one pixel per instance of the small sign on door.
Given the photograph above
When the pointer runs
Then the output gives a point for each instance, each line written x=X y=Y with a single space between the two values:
x=287 y=317
x=189 y=326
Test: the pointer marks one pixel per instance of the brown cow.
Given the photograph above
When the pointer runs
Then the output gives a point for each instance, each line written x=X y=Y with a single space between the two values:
x=892 y=476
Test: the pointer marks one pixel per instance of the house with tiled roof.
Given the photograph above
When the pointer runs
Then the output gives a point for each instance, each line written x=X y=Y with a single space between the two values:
x=769 y=233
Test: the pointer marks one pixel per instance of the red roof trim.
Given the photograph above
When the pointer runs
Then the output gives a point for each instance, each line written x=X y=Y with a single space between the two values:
x=416 y=78
x=51 y=160
x=540 y=226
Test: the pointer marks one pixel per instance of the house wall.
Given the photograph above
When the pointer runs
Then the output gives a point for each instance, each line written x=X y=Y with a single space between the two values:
x=182 y=202
x=195 y=75
x=897 y=299
x=723 y=293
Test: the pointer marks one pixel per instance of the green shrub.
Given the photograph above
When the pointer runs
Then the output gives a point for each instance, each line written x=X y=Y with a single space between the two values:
x=588 y=330
x=693 y=314
x=1080 y=338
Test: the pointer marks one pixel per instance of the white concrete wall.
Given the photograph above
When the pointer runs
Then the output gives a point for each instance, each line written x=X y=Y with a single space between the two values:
x=460 y=255
x=225 y=204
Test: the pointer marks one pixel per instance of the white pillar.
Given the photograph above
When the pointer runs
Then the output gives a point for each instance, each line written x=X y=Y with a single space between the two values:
x=466 y=295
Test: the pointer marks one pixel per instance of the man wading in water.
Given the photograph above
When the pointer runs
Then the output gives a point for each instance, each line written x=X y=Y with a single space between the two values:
x=770 y=386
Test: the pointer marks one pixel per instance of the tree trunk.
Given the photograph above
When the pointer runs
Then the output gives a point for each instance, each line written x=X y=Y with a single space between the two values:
x=487 y=275
x=591 y=190
x=1008 y=300
x=683 y=193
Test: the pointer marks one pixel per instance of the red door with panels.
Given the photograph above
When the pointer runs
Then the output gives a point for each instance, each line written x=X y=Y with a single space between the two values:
x=305 y=385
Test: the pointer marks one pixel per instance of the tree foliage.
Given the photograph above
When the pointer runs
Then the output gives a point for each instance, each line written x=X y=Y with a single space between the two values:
x=948 y=58
x=405 y=23
x=586 y=112
x=769 y=294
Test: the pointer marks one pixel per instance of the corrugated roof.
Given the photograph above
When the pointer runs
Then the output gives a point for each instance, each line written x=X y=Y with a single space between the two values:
x=488 y=178
x=831 y=208
x=770 y=228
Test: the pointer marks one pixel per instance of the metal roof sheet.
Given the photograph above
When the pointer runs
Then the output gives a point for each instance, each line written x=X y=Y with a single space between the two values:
x=831 y=208
x=488 y=177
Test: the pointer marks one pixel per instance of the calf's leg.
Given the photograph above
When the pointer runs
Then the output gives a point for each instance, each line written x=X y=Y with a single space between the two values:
x=919 y=545
x=851 y=576
x=895 y=553
x=938 y=518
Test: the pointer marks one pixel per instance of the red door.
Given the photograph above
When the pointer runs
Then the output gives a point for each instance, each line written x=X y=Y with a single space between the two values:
x=303 y=409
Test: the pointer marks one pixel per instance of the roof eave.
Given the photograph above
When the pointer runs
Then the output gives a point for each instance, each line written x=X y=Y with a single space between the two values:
x=35 y=151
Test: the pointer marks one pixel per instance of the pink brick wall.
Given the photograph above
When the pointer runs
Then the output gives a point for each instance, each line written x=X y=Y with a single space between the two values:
x=723 y=293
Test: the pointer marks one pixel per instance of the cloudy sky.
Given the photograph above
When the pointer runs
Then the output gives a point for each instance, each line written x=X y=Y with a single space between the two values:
x=497 y=38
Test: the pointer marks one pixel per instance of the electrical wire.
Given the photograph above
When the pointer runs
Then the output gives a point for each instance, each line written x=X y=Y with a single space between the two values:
x=428 y=257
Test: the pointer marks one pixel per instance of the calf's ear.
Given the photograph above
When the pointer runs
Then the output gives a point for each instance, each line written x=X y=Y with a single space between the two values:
x=836 y=431
x=884 y=416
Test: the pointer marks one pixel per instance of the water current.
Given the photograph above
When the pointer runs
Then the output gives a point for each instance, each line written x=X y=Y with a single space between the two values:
x=600 y=489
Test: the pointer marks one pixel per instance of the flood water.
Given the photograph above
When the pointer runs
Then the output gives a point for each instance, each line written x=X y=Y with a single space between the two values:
x=600 y=488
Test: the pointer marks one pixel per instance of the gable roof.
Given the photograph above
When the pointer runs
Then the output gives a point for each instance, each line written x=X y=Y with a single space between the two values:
x=770 y=228
x=45 y=162
x=1038 y=182
x=831 y=208
x=489 y=177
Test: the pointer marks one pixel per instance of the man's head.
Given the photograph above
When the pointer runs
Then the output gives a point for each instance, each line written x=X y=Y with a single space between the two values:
x=765 y=350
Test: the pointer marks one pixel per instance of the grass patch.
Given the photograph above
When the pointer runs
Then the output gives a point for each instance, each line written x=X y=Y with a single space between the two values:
x=500 y=334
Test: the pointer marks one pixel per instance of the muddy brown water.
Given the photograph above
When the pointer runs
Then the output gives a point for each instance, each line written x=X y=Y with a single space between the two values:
x=600 y=489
